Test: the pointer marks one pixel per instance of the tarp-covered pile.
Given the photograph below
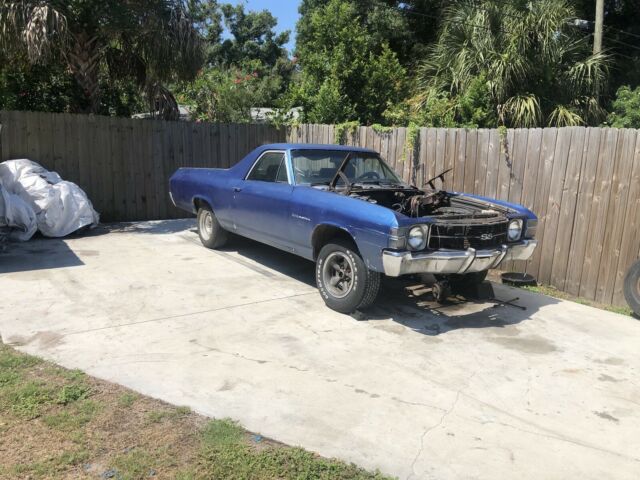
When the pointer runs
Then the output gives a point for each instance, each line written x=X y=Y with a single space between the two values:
x=33 y=198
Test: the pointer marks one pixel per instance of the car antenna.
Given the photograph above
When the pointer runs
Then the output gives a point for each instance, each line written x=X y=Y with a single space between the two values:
x=441 y=177
x=340 y=174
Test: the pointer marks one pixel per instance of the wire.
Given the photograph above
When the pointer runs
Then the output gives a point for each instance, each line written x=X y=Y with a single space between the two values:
x=636 y=47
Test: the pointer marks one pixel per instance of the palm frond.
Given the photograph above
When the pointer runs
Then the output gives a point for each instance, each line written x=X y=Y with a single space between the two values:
x=564 y=116
x=37 y=27
x=522 y=110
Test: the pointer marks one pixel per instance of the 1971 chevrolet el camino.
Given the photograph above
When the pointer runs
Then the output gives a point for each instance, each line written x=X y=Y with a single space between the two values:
x=344 y=208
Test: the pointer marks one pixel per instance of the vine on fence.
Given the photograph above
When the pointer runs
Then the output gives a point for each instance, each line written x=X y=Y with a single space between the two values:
x=342 y=129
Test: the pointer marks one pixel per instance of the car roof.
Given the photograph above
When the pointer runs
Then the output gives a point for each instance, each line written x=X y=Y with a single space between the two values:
x=312 y=146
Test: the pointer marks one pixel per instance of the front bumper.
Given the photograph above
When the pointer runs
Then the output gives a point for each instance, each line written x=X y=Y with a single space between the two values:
x=454 y=261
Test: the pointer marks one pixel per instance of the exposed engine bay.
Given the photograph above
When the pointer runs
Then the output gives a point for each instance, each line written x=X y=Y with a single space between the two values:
x=422 y=203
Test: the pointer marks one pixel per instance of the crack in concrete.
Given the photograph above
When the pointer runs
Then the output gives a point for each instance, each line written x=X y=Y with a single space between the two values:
x=440 y=422
x=181 y=315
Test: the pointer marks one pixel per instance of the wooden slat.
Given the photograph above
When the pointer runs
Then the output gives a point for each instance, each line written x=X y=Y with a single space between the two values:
x=561 y=156
x=545 y=171
x=615 y=215
x=631 y=232
x=460 y=155
x=493 y=164
x=598 y=217
x=590 y=147
x=562 y=248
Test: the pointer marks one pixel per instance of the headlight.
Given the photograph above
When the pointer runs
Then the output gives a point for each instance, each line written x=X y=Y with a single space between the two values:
x=515 y=230
x=417 y=238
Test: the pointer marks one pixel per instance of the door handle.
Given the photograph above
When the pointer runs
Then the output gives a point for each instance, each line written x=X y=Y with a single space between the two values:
x=237 y=189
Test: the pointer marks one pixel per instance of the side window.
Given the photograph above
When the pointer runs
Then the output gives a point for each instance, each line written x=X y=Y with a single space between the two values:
x=270 y=168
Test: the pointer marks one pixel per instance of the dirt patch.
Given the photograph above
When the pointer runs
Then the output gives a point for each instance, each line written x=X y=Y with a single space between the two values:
x=57 y=423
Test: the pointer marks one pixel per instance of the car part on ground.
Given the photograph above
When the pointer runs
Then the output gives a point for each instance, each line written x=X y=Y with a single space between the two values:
x=60 y=207
x=632 y=287
x=518 y=279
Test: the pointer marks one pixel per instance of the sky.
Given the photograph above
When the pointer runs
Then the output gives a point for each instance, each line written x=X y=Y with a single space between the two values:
x=286 y=11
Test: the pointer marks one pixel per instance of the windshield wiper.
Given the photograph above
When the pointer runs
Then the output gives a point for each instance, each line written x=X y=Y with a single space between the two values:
x=340 y=174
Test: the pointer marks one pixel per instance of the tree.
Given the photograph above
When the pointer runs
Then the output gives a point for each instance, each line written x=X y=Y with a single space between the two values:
x=346 y=73
x=150 y=42
x=536 y=67
x=625 y=109
x=252 y=38
x=249 y=69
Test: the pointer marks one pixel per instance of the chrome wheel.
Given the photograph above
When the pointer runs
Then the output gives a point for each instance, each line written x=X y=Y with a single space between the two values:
x=206 y=224
x=338 y=274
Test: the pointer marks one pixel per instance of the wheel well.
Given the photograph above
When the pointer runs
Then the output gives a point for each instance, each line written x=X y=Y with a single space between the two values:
x=200 y=203
x=323 y=234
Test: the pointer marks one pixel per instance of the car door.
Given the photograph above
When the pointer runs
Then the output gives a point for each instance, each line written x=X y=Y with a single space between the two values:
x=262 y=198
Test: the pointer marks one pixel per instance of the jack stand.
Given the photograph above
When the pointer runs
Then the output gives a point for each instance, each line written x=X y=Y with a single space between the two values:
x=441 y=290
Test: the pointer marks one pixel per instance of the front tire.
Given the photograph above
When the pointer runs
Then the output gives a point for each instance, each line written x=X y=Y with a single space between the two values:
x=344 y=281
x=211 y=234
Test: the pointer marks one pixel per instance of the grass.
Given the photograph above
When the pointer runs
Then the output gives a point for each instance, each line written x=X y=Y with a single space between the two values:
x=58 y=423
x=553 y=292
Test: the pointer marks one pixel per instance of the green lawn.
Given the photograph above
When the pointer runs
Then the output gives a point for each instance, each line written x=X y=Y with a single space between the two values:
x=57 y=423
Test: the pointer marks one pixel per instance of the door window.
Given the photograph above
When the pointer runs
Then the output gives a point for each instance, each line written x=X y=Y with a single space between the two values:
x=270 y=168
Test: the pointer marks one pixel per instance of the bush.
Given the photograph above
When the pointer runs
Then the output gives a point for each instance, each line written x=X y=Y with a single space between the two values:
x=626 y=109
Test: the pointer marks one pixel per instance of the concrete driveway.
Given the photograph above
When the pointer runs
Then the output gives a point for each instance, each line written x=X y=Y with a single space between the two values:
x=465 y=391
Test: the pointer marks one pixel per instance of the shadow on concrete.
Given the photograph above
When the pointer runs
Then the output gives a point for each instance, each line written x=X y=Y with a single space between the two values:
x=408 y=301
x=152 y=227
x=286 y=263
x=39 y=253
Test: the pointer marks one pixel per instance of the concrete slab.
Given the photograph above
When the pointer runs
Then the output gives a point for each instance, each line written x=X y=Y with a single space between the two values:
x=416 y=390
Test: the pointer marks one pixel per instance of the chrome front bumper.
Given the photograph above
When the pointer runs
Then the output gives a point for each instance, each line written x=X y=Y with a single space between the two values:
x=454 y=261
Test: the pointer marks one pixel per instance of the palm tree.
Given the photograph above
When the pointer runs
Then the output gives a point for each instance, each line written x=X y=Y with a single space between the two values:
x=538 y=68
x=151 y=42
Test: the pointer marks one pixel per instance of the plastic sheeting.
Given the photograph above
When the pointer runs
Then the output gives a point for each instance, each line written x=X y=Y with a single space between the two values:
x=59 y=207
x=17 y=218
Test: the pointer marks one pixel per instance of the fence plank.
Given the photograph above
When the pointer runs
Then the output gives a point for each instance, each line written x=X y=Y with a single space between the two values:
x=562 y=248
x=545 y=171
x=597 y=218
x=615 y=215
x=631 y=232
x=583 y=208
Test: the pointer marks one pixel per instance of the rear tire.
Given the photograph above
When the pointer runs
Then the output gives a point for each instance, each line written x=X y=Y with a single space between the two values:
x=344 y=281
x=632 y=288
x=211 y=234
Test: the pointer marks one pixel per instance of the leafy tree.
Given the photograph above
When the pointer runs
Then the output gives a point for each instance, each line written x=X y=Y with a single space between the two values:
x=149 y=42
x=537 y=68
x=252 y=38
x=249 y=69
x=346 y=73
x=625 y=109
x=227 y=95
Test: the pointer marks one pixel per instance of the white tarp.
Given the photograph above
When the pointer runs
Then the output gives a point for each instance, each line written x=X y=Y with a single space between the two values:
x=16 y=217
x=60 y=207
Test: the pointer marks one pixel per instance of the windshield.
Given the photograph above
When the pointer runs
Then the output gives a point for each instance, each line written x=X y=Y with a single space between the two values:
x=317 y=167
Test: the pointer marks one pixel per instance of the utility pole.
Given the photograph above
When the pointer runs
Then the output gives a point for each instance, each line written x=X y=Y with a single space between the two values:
x=597 y=36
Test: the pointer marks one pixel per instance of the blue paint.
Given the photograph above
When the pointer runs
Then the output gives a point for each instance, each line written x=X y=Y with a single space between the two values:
x=286 y=215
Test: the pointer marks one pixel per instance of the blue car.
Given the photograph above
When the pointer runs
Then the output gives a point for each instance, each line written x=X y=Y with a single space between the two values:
x=345 y=209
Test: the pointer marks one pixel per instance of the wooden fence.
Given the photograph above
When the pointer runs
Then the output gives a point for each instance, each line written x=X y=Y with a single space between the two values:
x=123 y=164
x=583 y=183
